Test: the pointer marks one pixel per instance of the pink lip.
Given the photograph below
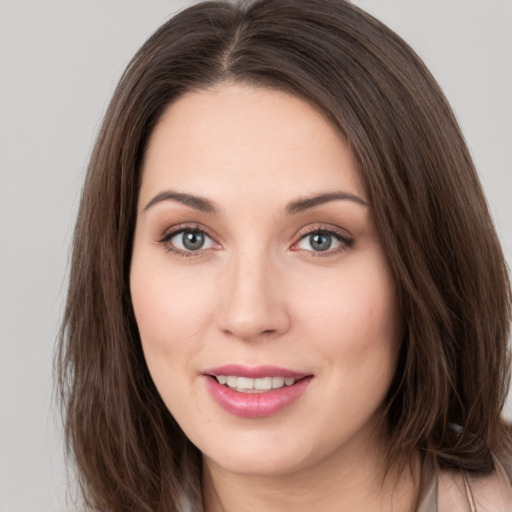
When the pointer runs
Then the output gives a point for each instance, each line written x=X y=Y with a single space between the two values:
x=254 y=372
x=255 y=405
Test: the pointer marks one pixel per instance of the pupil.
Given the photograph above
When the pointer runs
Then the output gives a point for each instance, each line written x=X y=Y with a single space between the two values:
x=193 y=240
x=320 y=241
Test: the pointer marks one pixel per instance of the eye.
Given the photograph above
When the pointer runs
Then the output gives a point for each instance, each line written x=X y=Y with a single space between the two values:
x=323 y=241
x=318 y=241
x=187 y=240
x=190 y=240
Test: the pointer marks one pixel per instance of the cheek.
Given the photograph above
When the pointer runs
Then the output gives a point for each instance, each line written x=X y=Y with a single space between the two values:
x=171 y=312
x=352 y=309
x=356 y=325
x=167 y=304
x=170 y=316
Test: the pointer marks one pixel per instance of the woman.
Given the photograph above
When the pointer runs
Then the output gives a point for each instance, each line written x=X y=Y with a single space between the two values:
x=286 y=290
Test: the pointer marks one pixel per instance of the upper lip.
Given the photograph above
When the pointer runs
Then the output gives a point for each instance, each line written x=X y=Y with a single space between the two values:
x=254 y=372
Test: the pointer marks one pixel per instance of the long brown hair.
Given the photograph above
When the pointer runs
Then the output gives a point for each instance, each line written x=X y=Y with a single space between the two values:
x=435 y=227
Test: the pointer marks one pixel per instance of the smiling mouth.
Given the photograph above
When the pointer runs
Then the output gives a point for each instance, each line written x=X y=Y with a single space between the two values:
x=259 y=385
x=255 y=392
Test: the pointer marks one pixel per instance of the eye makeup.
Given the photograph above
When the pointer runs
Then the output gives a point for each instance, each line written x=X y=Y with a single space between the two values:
x=323 y=241
x=193 y=240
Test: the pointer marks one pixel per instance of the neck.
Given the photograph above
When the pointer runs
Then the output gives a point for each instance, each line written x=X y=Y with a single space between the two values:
x=353 y=481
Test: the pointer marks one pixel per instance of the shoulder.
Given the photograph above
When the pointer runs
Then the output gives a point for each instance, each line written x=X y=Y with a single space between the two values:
x=461 y=492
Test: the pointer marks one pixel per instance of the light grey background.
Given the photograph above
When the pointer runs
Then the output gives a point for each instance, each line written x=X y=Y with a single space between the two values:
x=59 y=63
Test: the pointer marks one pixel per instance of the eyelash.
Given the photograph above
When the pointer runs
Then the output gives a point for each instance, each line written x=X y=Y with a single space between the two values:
x=170 y=234
x=345 y=241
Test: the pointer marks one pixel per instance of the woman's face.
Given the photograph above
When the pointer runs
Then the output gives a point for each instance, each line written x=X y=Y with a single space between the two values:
x=265 y=305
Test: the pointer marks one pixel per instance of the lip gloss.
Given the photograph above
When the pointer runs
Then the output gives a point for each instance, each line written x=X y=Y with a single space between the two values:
x=256 y=404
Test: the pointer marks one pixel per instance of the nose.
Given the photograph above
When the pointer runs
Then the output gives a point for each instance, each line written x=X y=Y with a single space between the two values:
x=253 y=300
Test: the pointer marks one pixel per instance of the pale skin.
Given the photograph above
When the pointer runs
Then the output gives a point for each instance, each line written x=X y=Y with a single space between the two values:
x=285 y=268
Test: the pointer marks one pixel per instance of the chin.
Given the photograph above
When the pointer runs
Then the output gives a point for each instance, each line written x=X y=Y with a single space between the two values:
x=256 y=465
x=261 y=456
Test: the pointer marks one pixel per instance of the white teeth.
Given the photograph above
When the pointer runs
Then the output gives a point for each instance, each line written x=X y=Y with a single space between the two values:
x=245 y=383
x=277 y=382
x=264 y=383
x=248 y=385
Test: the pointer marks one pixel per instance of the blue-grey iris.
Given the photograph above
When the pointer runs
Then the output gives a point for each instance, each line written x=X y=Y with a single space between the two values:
x=193 y=240
x=320 y=241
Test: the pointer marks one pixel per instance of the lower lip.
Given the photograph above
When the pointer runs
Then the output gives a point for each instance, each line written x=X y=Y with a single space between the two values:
x=255 y=405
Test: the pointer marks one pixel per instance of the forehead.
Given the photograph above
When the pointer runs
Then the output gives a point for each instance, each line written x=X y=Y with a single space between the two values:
x=240 y=138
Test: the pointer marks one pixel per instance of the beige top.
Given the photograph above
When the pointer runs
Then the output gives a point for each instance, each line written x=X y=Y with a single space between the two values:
x=457 y=491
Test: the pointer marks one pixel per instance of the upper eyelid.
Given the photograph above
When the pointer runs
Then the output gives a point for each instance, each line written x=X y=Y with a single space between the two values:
x=165 y=240
x=345 y=239
x=172 y=231
x=326 y=228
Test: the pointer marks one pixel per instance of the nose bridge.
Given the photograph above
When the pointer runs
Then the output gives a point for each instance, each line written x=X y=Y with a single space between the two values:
x=253 y=301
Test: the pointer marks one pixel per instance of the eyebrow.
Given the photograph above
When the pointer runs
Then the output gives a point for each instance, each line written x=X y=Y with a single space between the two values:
x=299 y=205
x=306 y=203
x=198 y=203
